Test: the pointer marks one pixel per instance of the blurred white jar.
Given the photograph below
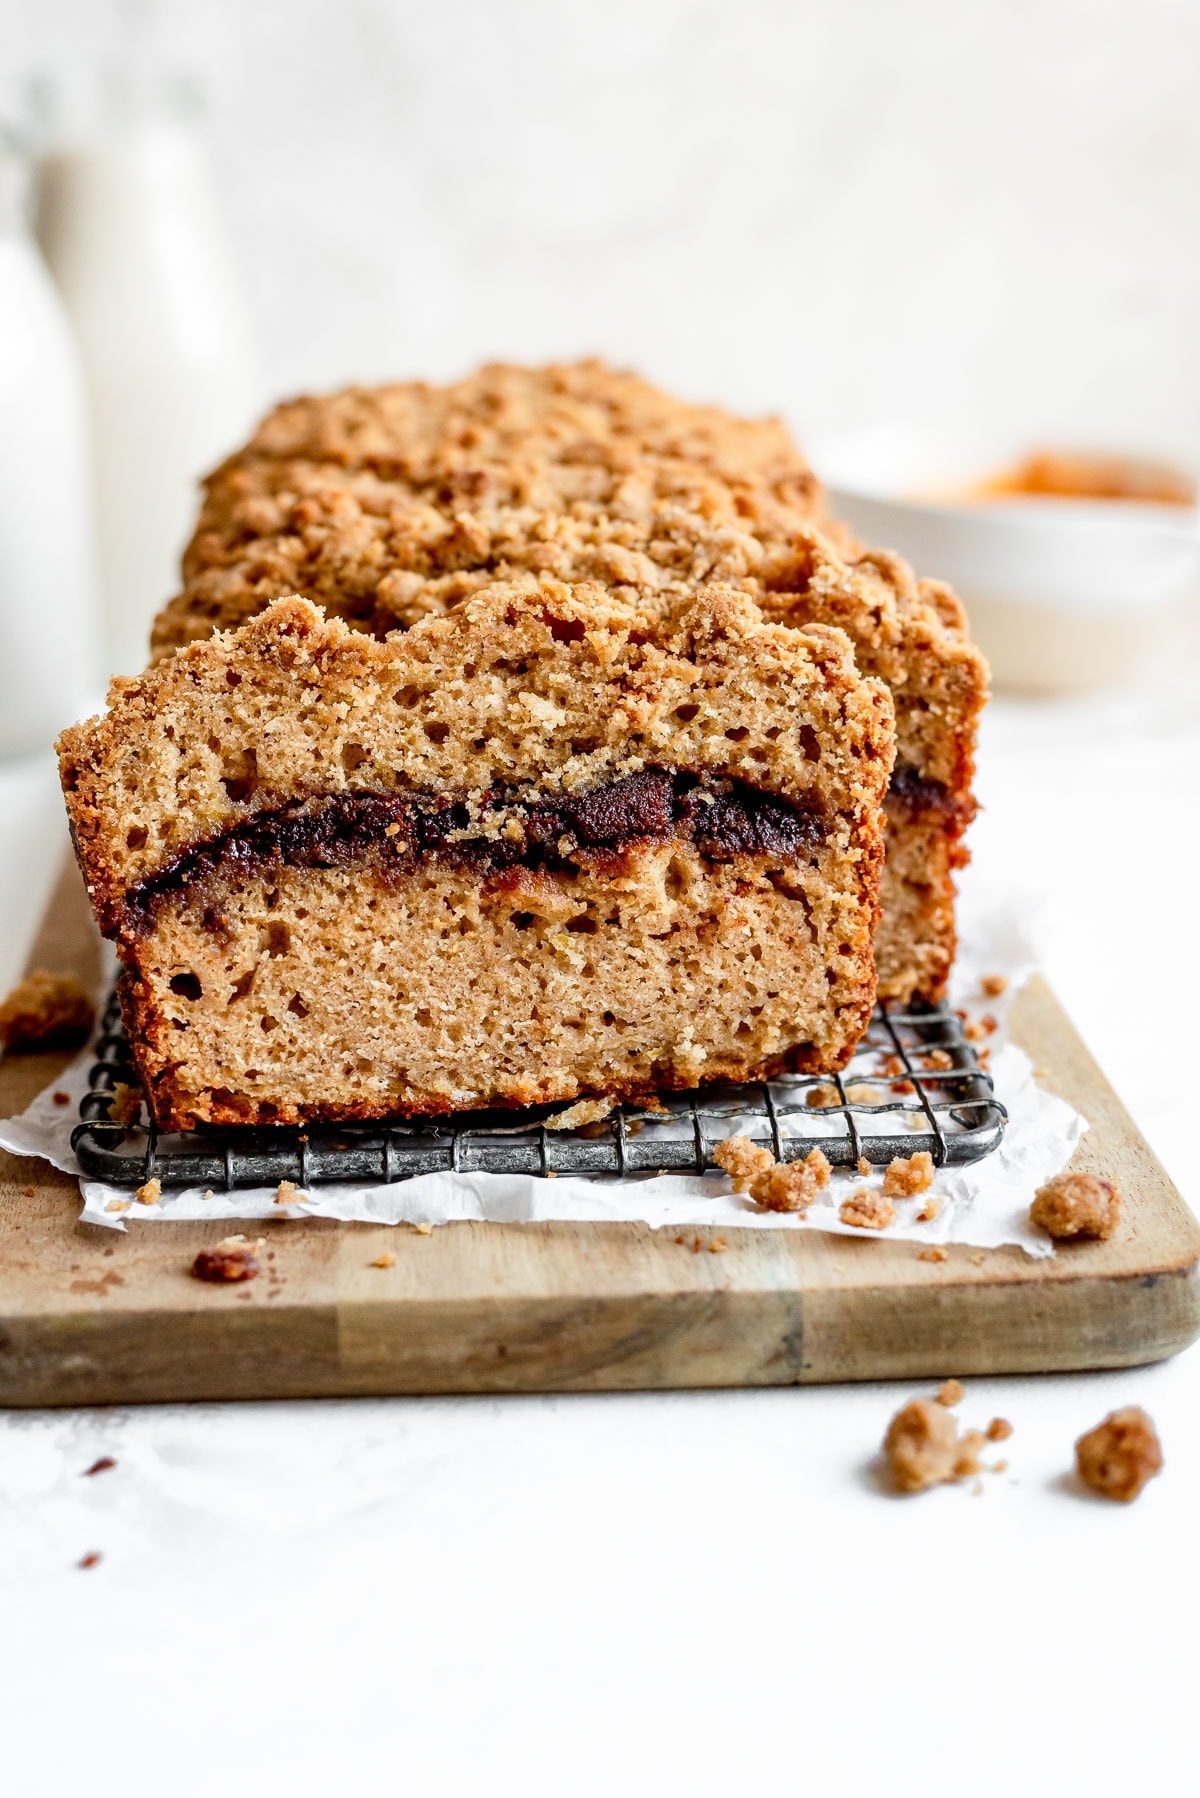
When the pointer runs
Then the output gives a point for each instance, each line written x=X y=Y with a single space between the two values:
x=48 y=662
x=131 y=228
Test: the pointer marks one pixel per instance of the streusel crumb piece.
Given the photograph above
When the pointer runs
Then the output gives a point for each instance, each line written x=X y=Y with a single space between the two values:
x=999 y=1430
x=906 y=1177
x=993 y=985
x=1080 y=1205
x=792 y=1185
x=921 y=1445
x=1120 y=1454
x=822 y=1098
x=934 y=1254
x=150 y=1193
x=924 y=1447
x=950 y=1392
x=46 y=1011
x=867 y=1210
x=742 y=1160
x=126 y=1107
x=387 y=1259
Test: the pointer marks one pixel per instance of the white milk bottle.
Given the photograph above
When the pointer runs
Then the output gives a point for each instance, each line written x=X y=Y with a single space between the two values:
x=131 y=228
x=49 y=671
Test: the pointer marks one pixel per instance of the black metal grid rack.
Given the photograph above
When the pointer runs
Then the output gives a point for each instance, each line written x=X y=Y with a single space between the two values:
x=915 y=1083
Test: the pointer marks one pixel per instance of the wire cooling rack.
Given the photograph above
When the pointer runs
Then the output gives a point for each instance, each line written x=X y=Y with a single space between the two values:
x=914 y=1083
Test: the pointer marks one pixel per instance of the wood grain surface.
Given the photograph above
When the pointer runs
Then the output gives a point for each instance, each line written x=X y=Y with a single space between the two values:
x=90 y=1316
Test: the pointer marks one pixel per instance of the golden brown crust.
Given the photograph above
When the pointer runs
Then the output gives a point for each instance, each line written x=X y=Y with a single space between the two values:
x=390 y=504
x=364 y=986
x=394 y=504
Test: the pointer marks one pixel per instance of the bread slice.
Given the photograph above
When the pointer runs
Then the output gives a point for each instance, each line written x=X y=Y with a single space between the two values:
x=395 y=503
x=913 y=635
x=533 y=850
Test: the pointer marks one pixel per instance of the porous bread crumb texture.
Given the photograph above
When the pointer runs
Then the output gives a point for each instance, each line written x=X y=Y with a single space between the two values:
x=742 y=1159
x=923 y=1447
x=556 y=688
x=46 y=1011
x=393 y=504
x=1120 y=1455
x=906 y=1176
x=867 y=1210
x=275 y=992
x=791 y=1185
x=1081 y=1206
x=773 y=1185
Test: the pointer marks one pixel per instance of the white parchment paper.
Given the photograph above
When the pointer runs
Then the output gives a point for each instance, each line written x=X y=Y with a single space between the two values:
x=984 y=1205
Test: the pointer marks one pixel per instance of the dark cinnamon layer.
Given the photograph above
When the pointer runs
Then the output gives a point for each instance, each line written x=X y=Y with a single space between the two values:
x=395 y=831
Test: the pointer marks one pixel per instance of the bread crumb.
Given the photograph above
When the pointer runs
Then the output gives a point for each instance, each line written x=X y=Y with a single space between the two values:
x=992 y=985
x=821 y=1098
x=924 y=1448
x=584 y=1111
x=118 y=1204
x=150 y=1193
x=862 y=1094
x=867 y=1210
x=893 y=1066
x=939 y=1058
x=126 y=1107
x=92 y=1559
x=929 y=1210
x=423 y=1229
x=742 y=1160
x=934 y=1254
x=387 y=1259
x=1118 y=1457
x=233 y=1258
x=46 y=1011
x=61 y=1098
x=998 y=1467
x=1077 y=1205
x=717 y=1246
x=978 y=1260
x=288 y=1193
x=950 y=1392
x=792 y=1185
x=908 y=1176
x=552 y=1173
x=864 y=1166
x=999 y=1430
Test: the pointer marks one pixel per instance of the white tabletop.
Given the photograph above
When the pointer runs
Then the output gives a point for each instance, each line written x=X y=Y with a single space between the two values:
x=688 y=1593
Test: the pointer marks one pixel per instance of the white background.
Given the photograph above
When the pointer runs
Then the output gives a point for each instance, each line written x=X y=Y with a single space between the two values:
x=850 y=211
x=844 y=209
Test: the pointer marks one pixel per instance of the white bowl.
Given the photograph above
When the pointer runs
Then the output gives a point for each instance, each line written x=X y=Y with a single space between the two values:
x=1062 y=594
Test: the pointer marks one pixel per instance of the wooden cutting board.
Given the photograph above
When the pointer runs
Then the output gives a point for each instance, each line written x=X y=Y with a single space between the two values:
x=90 y=1316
